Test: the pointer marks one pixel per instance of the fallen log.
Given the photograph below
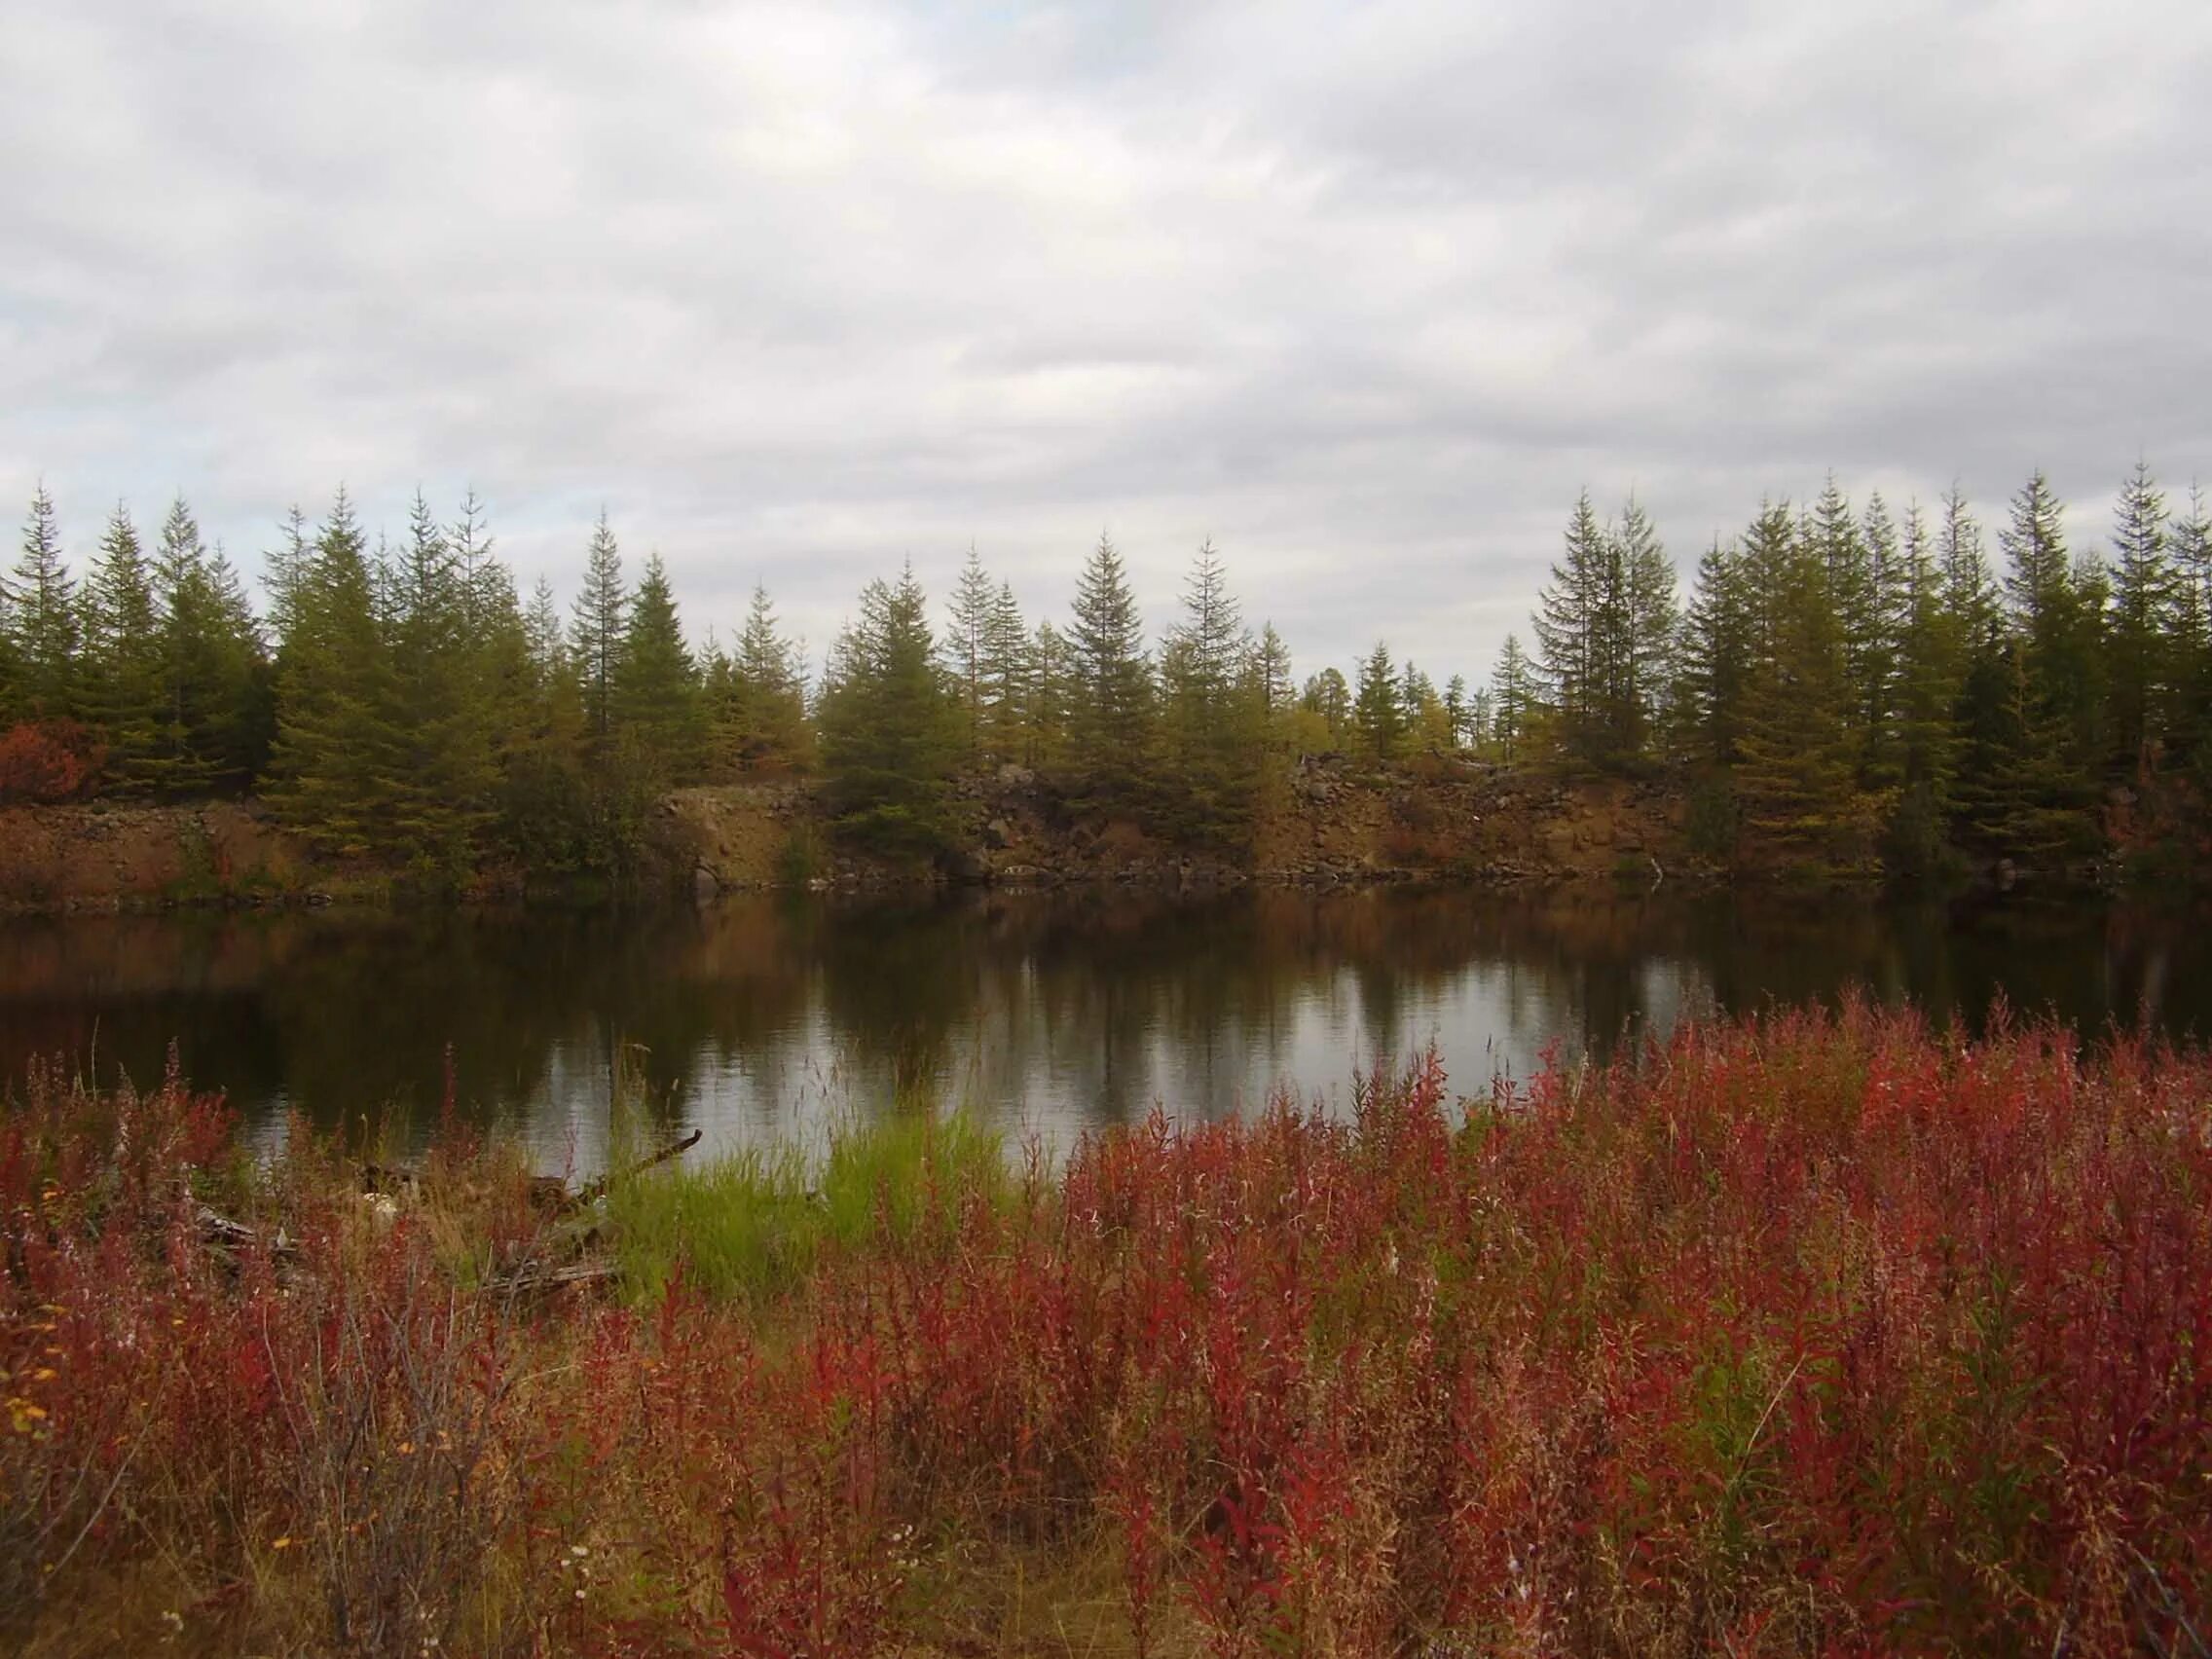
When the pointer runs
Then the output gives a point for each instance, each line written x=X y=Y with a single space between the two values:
x=224 y=1234
x=593 y=1191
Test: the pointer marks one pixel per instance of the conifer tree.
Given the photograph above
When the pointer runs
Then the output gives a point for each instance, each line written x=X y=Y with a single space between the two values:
x=1513 y=699
x=2146 y=622
x=444 y=781
x=1005 y=677
x=215 y=713
x=656 y=689
x=1055 y=683
x=337 y=759
x=1650 y=627
x=1376 y=712
x=890 y=725
x=2058 y=618
x=547 y=815
x=1456 y=711
x=2191 y=724
x=1796 y=771
x=1214 y=730
x=757 y=695
x=1328 y=695
x=1716 y=656
x=1931 y=657
x=967 y=643
x=1876 y=688
x=122 y=654
x=44 y=605
x=1847 y=572
x=1576 y=626
x=596 y=632
x=1109 y=717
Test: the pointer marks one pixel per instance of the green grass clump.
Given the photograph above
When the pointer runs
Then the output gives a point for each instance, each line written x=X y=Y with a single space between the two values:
x=742 y=1224
x=750 y=1223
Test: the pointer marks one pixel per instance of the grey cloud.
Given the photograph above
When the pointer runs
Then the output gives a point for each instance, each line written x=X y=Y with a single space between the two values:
x=1366 y=294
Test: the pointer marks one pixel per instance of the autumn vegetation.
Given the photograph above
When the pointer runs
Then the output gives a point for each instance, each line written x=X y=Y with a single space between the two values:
x=1817 y=1333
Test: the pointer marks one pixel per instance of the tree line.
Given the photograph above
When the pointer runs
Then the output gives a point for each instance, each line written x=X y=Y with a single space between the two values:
x=1852 y=681
x=1841 y=679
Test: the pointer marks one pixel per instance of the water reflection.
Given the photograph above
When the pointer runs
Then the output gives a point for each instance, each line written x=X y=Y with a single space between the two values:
x=1046 y=1011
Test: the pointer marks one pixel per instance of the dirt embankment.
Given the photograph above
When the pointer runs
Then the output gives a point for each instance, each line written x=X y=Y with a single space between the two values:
x=1323 y=819
x=108 y=854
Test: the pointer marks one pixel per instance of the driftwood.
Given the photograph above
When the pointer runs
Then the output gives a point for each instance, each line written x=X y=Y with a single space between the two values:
x=531 y=1277
x=224 y=1234
x=549 y=1193
x=593 y=1191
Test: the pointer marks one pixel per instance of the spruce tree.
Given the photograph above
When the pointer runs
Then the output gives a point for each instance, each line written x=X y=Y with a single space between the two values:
x=2058 y=619
x=595 y=638
x=546 y=799
x=1007 y=676
x=445 y=780
x=2191 y=724
x=122 y=654
x=1650 y=626
x=1832 y=535
x=44 y=605
x=655 y=691
x=1889 y=587
x=757 y=696
x=1377 y=715
x=1717 y=657
x=1577 y=625
x=1055 y=683
x=337 y=761
x=890 y=726
x=2146 y=622
x=1110 y=718
x=967 y=643
x=1513 y=699
x=1796 y=771
x=1213 y=729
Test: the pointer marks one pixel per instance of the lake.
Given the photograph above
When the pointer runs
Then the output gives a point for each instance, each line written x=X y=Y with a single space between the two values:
x=1045 y=1011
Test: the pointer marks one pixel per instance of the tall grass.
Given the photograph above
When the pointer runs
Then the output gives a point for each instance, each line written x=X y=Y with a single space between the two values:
x=753 y=1223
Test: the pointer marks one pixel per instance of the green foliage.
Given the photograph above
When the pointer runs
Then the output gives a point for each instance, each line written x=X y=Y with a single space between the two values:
x=43 y=621
x=656 y=691
x=1712 y=819
x=1376 y=714
x=1215 y=712
x=755 y=698
x=1604 y=631
x=1110 y=707
x=748 y=1225
x=890 y=726
x=601 y=616
x=1513 y=700
x=339 y=747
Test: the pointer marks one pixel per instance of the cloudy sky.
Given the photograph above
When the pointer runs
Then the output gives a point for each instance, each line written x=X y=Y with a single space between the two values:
x=1365 y=293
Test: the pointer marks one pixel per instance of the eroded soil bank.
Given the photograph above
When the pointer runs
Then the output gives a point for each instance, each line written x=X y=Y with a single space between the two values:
x=1324 y=821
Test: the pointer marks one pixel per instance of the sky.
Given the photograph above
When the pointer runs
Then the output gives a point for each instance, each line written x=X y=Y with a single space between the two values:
x=1365 y=294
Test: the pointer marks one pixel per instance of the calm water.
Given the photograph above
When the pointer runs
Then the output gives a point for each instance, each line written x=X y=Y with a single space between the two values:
x=1047 y=1012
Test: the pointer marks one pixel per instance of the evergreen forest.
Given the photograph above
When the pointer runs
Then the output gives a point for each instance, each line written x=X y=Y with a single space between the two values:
x=1842 y=683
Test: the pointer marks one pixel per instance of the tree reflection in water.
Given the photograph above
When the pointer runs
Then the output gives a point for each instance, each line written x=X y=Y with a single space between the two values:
x=1047 y=1012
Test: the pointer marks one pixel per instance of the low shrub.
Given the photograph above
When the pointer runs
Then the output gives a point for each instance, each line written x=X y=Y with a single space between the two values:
x=1816 y=1333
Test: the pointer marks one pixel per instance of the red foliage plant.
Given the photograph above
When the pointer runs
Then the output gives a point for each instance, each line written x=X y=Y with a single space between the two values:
x=1809 y=1334
x=45 y=761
